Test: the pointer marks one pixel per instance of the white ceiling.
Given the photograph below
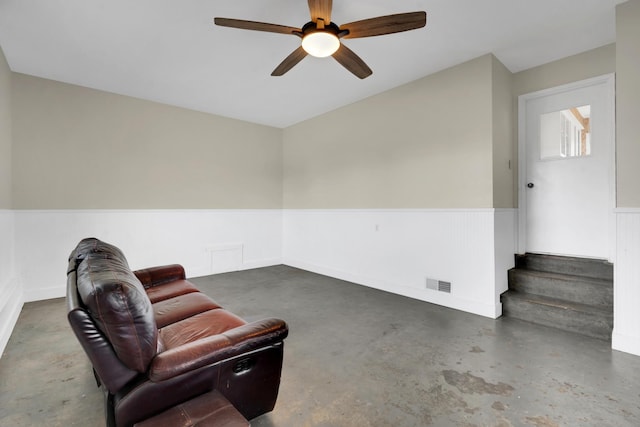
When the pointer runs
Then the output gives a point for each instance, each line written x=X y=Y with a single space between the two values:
x=169 y=50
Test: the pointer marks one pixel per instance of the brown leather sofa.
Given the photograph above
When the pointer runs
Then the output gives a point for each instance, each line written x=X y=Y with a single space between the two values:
x=157 y=343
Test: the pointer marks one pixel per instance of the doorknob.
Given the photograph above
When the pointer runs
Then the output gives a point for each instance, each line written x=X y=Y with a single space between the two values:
x=530 y=185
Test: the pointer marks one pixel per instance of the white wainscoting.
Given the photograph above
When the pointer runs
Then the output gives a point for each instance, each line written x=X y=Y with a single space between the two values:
x=398 y=250
x=626 y=290
x=505 y=243
x=11 y=299
x=44 y=240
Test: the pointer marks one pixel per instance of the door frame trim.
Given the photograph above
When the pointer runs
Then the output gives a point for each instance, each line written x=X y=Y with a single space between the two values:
x=609 y=81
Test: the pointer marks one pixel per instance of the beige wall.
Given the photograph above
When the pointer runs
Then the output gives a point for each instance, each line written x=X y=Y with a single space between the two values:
x=427 y=144
x=444 y=141
x=574 y=68
x=78 y=148
x=628 y=103
x=5 y=133
x=502 y=125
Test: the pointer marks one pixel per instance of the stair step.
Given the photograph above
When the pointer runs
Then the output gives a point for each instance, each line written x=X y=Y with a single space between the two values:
x=579 y=289
x=589 y=320
x=595 y=268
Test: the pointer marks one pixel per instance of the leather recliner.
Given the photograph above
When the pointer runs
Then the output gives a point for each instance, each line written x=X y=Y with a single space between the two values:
x=155 y=341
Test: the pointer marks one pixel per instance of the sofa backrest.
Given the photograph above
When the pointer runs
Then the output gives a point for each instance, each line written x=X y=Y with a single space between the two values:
x=116 y=301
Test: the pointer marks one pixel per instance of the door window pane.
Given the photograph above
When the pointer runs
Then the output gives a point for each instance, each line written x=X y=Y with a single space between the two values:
x=565 y=133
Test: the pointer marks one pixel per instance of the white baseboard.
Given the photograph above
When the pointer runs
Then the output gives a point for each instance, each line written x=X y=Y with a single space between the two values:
x=402 y=251
x=39 y=294
x=625 y=343
x=147 y=238
x=248 y=265
x=9 y=314
x=426 y=295
x=626 y=289
x=260 y=263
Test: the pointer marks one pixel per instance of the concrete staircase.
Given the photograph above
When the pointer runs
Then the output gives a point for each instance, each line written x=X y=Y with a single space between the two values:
x=572 y=294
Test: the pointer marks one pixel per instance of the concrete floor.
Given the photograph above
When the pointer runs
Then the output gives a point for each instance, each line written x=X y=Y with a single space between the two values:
x=356 y=357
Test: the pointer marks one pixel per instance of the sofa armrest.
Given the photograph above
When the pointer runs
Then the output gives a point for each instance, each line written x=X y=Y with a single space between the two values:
x=155 y=276
x=213 y=349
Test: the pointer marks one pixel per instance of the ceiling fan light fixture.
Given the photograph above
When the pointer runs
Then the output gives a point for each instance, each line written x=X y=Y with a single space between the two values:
x=320 y=43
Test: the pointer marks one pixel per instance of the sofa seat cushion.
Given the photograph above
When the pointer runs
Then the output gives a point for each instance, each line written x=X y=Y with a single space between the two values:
x=207 y=410
x=178 y=308
x=170 y=290
x=203 y=325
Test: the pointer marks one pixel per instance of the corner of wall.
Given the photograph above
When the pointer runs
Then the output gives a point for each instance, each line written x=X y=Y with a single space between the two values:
x=6 y=133
x=502 y=134
x=504 y=244
x=11 y=295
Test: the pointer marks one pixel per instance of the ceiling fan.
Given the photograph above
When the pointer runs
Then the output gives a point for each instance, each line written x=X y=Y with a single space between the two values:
x=321 y=37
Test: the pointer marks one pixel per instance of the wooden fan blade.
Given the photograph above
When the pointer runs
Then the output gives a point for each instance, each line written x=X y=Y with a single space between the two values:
x=255 y=26
x=321 y=9
x=290 y=61
x=352 y=62
x=388 y=24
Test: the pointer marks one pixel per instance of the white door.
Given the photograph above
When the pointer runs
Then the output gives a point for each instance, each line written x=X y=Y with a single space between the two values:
x=567 y=186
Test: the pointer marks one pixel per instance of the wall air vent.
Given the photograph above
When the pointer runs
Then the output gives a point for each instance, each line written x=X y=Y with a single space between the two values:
x=439 y=285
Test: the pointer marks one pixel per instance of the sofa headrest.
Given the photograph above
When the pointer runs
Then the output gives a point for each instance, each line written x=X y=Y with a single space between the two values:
x=96 y=248
x=117 y=302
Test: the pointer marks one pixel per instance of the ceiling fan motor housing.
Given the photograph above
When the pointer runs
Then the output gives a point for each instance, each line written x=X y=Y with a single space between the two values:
x=320 y=40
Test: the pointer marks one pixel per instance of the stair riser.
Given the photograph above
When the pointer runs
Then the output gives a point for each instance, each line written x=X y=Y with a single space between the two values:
x=595 y=325
x=583 y=292
x=564 y=265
